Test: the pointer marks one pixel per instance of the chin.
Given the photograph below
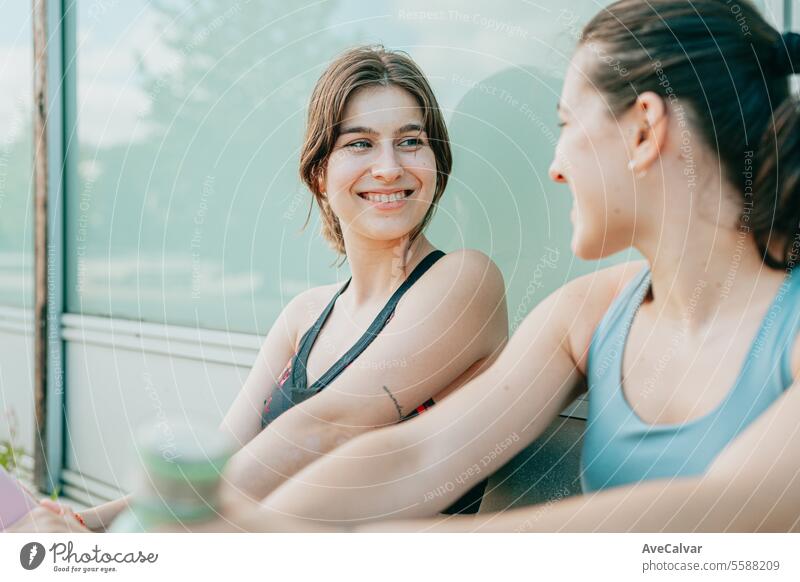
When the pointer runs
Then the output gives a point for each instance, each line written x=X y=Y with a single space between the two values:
x=391 y=227
x=387 y=234
x=591 y=256
x=590 y=249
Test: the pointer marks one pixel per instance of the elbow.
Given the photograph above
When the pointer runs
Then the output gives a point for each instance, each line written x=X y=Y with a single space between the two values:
x=240 y=476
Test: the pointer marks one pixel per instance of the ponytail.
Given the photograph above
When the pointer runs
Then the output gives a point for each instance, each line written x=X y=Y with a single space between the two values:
x=776 y=213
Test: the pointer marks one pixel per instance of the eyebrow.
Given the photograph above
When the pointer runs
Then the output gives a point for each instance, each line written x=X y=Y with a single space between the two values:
x=369 y=131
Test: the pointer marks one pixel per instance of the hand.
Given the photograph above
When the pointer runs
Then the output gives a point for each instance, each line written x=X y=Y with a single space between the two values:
x=259 y=519
x=46 y=519
x=100 y=517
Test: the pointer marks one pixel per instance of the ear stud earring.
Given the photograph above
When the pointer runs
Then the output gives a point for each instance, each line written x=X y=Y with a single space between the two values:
x=632 y=167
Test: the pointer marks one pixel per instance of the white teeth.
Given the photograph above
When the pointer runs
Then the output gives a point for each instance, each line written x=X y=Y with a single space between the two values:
x=393 y=197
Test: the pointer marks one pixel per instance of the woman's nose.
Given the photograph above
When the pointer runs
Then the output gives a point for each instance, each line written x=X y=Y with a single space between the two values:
x=387 y=167
x=555 y=173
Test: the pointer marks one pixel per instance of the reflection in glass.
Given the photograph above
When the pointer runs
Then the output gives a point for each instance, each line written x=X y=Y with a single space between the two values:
x=189 y=210
x=16 y=156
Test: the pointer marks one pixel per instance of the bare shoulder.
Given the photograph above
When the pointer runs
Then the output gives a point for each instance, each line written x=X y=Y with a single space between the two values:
x=472 y=268
x=603 y=285
x=470 y=282
x=464 y=287
x=304 y=308
x=320 y=294
x=584 y=301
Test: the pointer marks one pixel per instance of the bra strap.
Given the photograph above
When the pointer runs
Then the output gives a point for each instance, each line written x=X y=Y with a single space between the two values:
x=380 y=321
x=299 y=377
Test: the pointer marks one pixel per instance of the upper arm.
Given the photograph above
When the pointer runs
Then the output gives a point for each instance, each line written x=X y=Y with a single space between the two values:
x=762 y=468
x=450 y=319
x=512 y=402
x=243 y=420
x=535 y=377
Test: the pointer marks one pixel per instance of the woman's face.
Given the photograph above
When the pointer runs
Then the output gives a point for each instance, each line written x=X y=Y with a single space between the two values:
x=381 y=175
x=592 y=157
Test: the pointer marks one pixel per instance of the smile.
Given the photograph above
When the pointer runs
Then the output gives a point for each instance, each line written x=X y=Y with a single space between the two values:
x=386 y=200
x=382 y=197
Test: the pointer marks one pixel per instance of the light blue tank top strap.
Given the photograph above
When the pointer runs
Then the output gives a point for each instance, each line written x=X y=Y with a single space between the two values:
x=620 y=448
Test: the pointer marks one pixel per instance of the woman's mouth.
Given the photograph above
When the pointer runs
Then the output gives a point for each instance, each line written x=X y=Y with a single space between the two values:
x=386 y=200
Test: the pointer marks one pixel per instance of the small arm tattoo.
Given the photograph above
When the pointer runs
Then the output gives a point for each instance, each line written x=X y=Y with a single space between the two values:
x=396 y=403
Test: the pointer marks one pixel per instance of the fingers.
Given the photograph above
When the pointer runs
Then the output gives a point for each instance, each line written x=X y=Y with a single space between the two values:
x=53 y=506
x=44 y=520
x=63 y=513
x=71 y=521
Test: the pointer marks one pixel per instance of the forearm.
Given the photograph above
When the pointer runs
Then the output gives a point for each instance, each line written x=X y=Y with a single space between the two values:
x=686 y=505
x=415 y=469
x=100 y=517
x=377 y=476
x=627 y=509
x=277 y=454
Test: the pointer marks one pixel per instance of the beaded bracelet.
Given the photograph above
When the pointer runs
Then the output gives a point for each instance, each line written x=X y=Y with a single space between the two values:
x=80 y=519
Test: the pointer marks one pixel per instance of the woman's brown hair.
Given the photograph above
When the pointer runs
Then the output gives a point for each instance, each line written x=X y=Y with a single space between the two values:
x=730 y=69
x=360 y=67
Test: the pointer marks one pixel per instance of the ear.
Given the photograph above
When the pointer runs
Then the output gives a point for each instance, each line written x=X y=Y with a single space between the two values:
x=650 y=124
x=321 y=181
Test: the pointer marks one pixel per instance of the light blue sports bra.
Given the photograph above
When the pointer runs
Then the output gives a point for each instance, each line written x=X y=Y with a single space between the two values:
x=619 y=448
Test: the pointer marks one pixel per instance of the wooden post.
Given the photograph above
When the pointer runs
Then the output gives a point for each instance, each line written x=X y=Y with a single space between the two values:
x=41 y=473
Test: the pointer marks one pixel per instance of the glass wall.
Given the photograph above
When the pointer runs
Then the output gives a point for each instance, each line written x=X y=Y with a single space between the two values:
x=16 y=156
x=16 y=228
x=186 y=208
x=189 y=210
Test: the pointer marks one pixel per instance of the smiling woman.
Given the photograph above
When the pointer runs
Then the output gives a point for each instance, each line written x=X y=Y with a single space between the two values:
x=411 y=325
x=381 y=179
x=376 y=159
x=375 y=130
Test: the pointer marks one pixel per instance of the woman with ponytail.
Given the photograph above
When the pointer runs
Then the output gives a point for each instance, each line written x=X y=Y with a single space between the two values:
x=688 y=150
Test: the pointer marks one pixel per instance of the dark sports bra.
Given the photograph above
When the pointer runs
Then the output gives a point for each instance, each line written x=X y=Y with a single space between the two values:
x=293 y=386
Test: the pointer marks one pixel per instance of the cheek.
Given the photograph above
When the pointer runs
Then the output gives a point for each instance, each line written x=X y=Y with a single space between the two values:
x=592 y=151
x=578 y=160
x=342 y=170
x=340 y=175
x=423 y=166
x=597 y=166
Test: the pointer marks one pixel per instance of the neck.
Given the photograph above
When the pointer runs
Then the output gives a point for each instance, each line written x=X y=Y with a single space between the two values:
x=700 y=269
x=380 y=267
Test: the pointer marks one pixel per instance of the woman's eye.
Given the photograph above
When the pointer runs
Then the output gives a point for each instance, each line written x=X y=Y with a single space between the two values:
x=412 y=142
x=562 y=123
x=361 y=144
